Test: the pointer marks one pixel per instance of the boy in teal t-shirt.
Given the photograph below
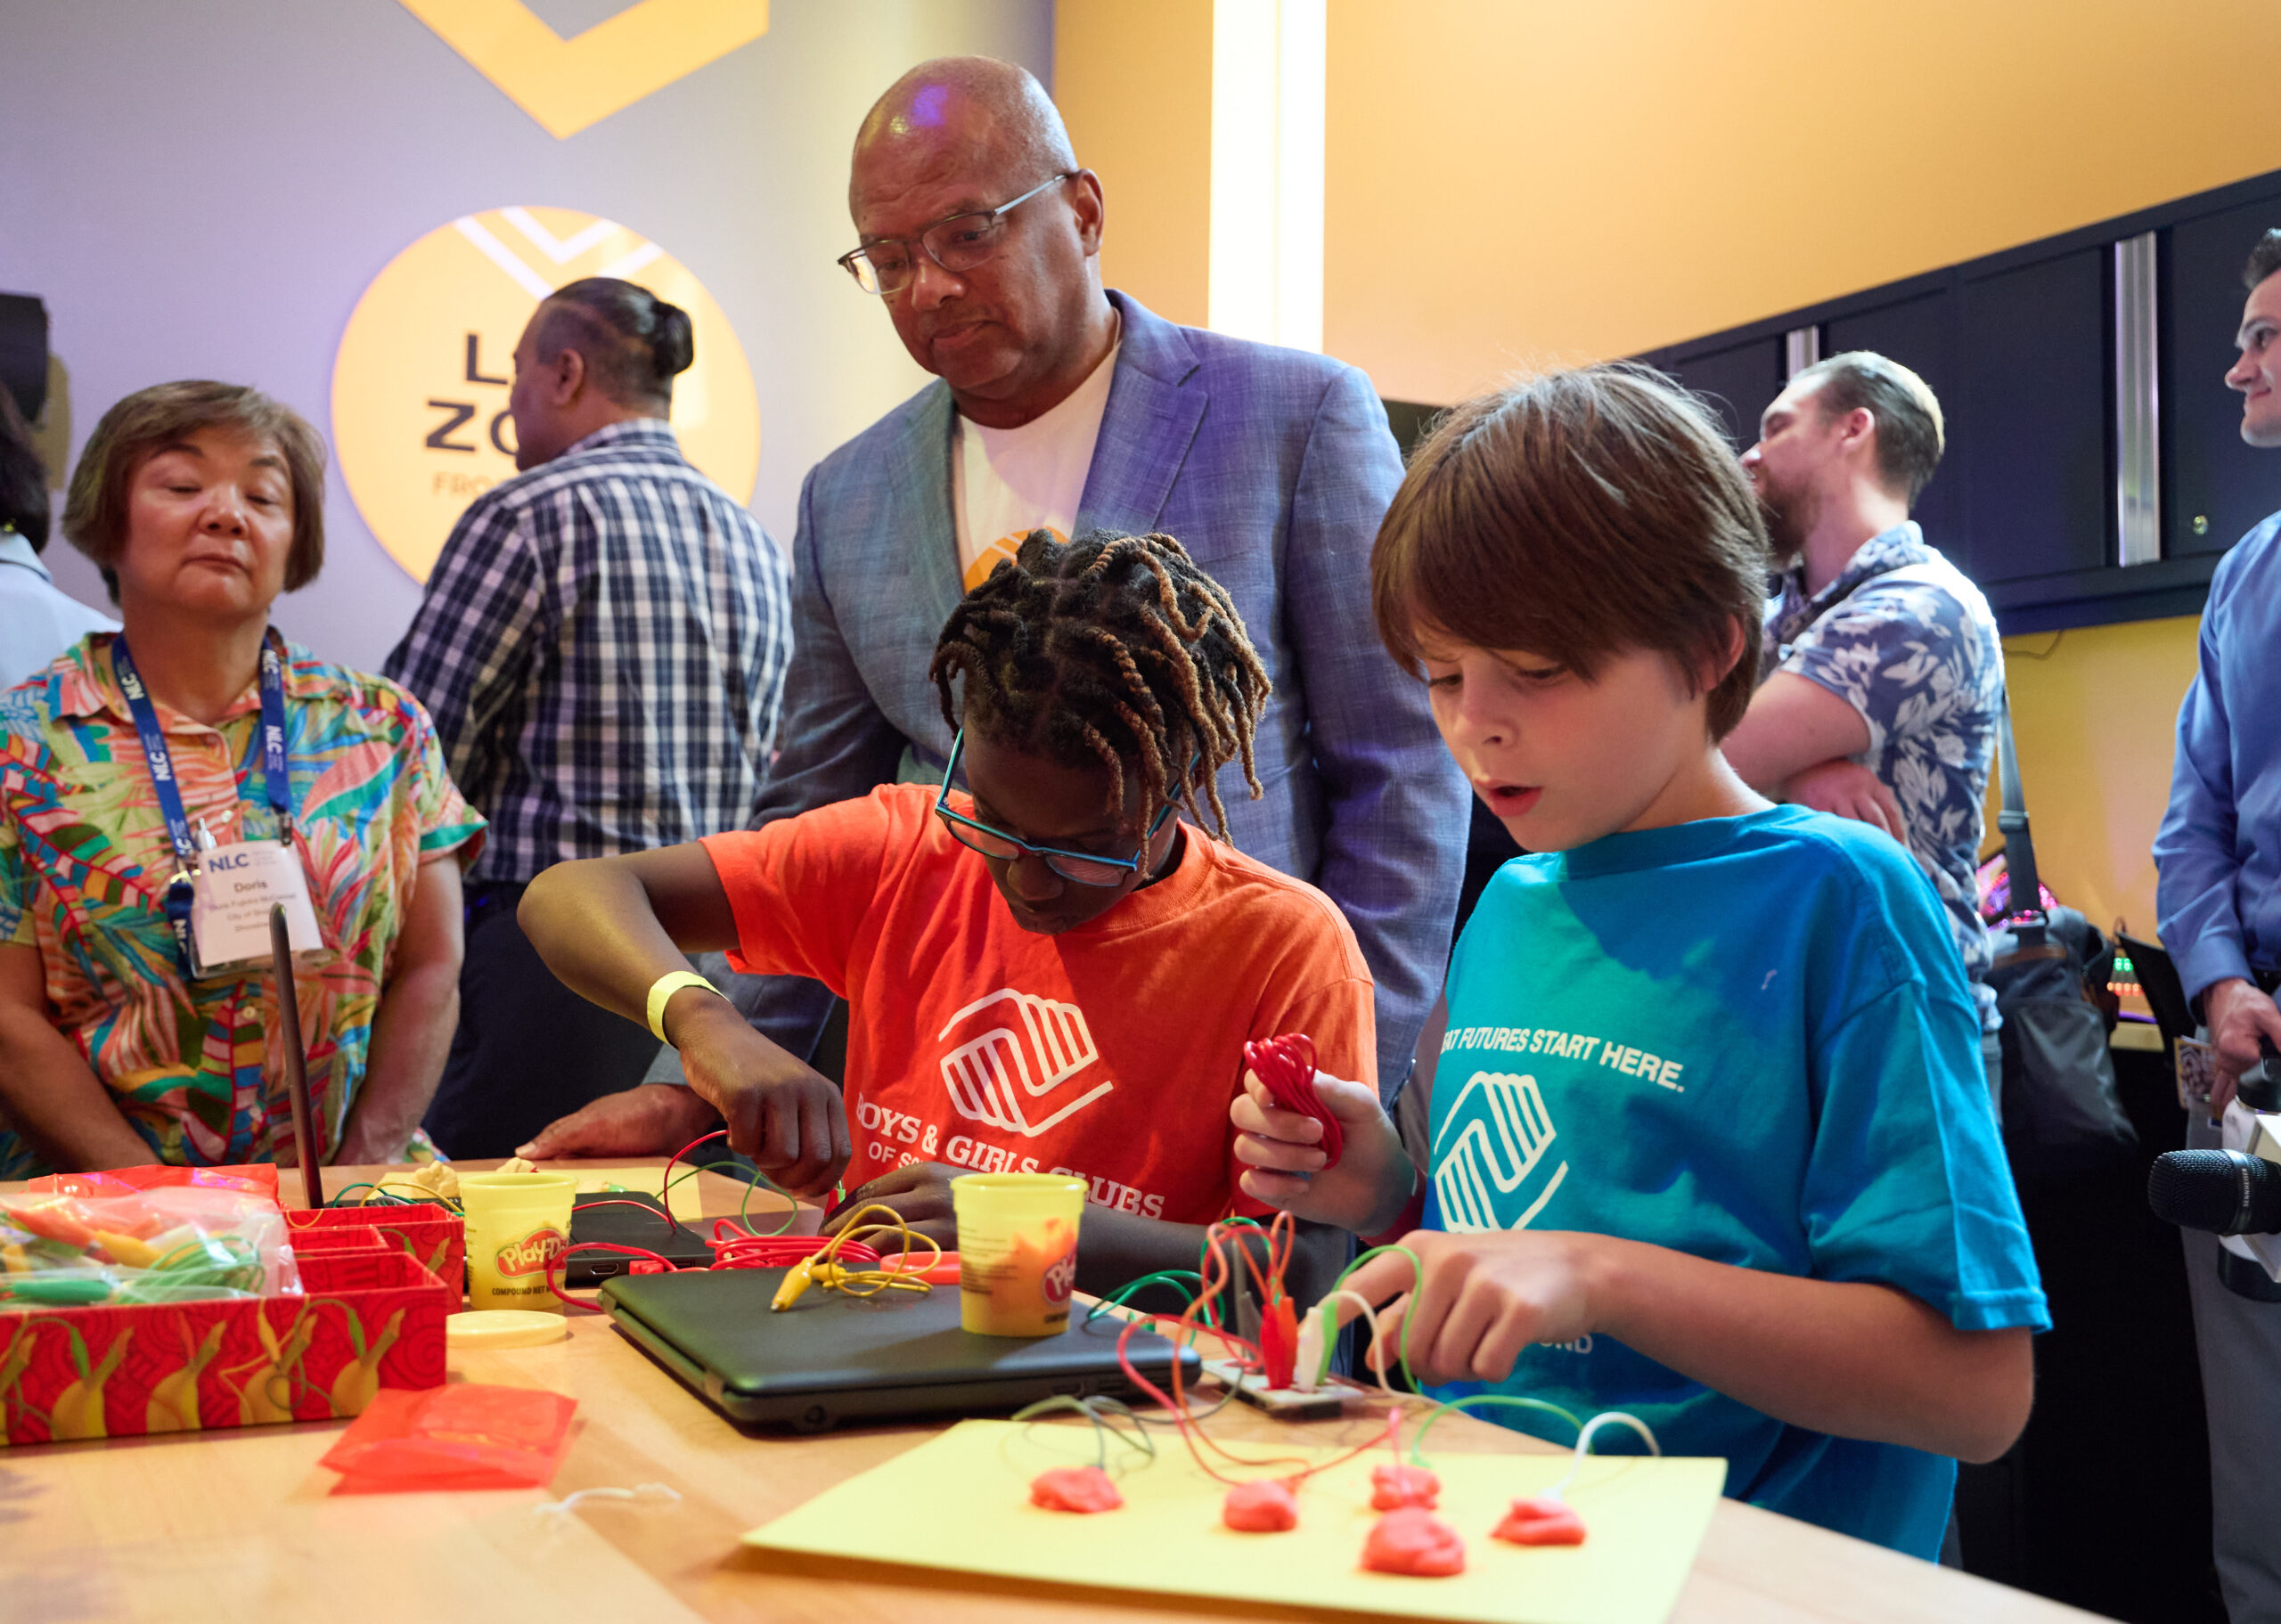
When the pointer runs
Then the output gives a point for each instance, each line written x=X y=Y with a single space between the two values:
x=1706 y=1135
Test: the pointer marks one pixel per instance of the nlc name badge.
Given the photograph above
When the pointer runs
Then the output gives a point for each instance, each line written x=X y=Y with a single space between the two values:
x=235 y=888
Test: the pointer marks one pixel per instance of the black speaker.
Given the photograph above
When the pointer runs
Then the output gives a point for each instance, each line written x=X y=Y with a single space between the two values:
x=23 y=352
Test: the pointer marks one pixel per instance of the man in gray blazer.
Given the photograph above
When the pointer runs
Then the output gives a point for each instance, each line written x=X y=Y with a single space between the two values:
x=1061 y=404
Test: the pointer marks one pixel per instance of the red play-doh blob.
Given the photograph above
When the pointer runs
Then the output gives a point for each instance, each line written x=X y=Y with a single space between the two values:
x=1079 y=1489
x=1393 y=1487
x=1415 y=1542
x=1260 y=1507
x=1547 y=1520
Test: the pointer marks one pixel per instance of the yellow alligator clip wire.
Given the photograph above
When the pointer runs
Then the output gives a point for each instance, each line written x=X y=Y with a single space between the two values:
x=825 y=1269
x=796 y=1281
x=127 y=1251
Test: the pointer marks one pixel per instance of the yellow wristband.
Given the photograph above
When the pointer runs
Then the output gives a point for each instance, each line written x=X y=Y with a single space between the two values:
x=664 y=988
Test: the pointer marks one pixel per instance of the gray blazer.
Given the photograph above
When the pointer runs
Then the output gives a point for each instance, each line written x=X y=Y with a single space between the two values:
x=1273 y=467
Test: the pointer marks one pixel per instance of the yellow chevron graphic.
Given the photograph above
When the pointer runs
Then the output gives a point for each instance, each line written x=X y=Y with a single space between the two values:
x=568 y=84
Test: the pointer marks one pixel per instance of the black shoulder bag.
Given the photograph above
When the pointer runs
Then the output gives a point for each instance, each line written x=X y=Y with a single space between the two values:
x=2062 y=1115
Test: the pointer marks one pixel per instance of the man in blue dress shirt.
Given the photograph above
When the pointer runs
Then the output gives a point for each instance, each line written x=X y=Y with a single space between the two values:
x=2217 y=857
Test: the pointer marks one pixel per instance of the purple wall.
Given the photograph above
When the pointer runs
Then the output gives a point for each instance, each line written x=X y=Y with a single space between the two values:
x=205 y=190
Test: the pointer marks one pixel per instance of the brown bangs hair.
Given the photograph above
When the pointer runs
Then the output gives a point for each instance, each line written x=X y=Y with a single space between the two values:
x=1572 y=517
x=149 y=420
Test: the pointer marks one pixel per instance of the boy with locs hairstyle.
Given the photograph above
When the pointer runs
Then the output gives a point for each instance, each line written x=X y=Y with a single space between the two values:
x=1700 y=1126
x=1050 y=971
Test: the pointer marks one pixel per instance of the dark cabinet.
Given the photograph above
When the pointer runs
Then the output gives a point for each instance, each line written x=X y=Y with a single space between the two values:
x=2021 y=348
x=2032 y=416
x=2214 y=487
x=1741 y=381
x=1920 y=333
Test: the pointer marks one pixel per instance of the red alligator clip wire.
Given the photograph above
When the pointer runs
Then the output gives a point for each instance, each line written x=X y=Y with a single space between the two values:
x=1278 y=1343
x=1287 y=1065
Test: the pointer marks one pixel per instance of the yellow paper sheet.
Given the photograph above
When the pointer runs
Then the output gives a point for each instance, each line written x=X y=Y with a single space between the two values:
x=961 y=1501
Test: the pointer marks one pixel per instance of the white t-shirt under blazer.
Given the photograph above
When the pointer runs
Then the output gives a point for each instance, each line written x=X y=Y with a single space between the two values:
x=1007 y=482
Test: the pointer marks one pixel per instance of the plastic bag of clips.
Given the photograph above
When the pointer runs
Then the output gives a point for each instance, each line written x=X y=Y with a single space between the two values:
x=180 y=1243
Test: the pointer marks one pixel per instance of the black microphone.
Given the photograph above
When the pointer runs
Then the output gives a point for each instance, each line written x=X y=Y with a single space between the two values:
x=2261 y=1084
x=2226 y=1192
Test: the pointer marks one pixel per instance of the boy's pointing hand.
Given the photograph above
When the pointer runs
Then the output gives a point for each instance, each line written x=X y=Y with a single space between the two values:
x=1484 y=1297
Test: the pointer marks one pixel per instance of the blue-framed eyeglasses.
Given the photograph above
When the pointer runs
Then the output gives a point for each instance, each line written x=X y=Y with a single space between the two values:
x=1080 y=868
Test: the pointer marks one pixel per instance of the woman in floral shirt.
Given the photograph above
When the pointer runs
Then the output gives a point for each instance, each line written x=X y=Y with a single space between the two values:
x=201 y=502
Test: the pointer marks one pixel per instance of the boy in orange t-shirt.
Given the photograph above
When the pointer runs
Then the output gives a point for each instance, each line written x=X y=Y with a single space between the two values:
x=1053 y=973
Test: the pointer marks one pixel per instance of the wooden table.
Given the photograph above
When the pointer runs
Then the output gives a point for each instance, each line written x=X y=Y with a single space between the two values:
x=240 y=1525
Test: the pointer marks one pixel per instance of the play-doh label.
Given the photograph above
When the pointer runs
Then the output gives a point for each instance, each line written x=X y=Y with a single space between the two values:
x=1060 y=1277
x=535 y=1252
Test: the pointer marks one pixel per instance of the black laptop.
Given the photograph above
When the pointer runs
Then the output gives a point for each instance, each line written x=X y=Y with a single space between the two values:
x=834 y=1357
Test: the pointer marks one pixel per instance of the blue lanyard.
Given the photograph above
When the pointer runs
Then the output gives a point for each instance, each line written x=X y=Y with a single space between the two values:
x=274 y=775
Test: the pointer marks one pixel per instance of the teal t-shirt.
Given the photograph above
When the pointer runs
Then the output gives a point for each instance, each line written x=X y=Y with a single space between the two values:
x=1748 y=1039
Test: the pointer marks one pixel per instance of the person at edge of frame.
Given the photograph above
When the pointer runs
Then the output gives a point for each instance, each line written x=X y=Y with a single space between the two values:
x=2218 y=906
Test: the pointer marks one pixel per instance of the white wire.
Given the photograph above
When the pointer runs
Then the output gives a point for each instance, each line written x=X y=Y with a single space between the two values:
x=1369 y=1314
x=1584 y=1446
x=649 y=1493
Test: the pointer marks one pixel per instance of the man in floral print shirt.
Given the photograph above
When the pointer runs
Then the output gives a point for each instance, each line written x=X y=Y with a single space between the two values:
x=1883 y=677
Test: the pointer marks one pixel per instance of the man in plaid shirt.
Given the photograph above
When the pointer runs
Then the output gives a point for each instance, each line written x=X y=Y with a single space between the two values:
x=602 y=646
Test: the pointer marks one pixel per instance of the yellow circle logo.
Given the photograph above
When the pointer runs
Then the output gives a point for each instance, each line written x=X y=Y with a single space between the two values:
x=420 y=385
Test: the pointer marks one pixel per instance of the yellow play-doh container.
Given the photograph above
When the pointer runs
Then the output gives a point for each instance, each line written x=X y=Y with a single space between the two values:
x=1017 y=1251
x=517 y=1225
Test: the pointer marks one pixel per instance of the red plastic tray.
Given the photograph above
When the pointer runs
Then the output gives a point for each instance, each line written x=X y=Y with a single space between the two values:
x=367 y=1319
x=434 y=1237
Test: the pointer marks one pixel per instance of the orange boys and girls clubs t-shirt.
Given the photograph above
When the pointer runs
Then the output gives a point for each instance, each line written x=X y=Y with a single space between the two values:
x=1111 y=1051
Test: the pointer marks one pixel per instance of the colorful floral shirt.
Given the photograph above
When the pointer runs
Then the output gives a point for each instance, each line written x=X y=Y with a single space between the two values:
x=1905 y=638
x=85 y=864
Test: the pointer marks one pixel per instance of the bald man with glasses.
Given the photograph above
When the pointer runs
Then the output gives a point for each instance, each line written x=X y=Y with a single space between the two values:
x=1059 y=404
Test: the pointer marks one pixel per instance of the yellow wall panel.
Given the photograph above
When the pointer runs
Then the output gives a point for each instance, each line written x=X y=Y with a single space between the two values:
x=1134 y=83
x=1517 y=182
x=1525 y=181
x=2095 y=711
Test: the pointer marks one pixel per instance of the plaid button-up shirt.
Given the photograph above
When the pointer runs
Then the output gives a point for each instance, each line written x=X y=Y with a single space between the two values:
x=602 y=647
